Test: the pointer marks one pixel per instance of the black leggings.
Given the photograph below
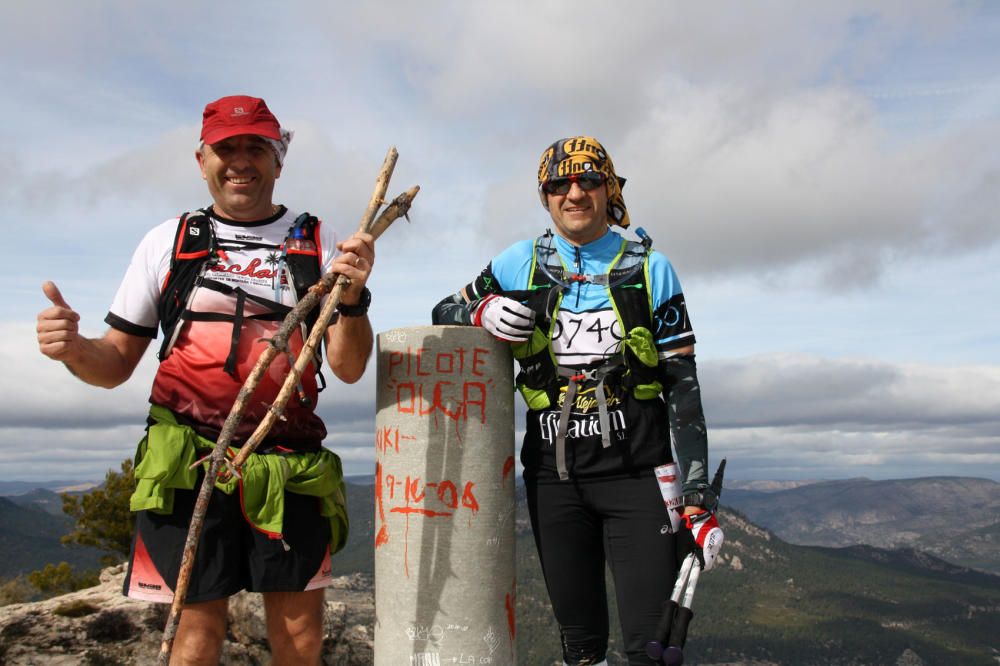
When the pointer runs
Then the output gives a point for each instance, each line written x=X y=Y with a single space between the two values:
x=580 y=525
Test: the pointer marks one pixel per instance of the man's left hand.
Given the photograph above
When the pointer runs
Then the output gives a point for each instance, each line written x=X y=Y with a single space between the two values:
x=355 y=261
x=706 y=535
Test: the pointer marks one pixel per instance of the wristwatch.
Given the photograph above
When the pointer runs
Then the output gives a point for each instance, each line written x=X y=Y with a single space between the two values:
x=360 y=309
x=694 y=499
x=704 y=498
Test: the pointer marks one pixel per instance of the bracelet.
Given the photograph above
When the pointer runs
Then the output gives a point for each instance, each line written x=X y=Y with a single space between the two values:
x=360 y=309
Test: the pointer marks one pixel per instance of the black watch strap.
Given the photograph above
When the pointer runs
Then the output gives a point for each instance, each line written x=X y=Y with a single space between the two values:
x=694 y=499
x=704 y=498
x=360 y=309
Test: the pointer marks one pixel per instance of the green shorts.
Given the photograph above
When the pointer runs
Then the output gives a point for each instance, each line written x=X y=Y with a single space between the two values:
x=232 y=555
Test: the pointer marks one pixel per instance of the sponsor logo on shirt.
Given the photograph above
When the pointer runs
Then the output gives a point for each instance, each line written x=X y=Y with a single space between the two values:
x=580 y=426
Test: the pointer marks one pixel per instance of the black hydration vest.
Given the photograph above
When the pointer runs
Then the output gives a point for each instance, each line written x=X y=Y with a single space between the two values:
x=541 y=380
x=628 y=293
x=196 y=248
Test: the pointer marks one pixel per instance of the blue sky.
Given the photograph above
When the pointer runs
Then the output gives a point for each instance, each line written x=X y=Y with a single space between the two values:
x=825 y=179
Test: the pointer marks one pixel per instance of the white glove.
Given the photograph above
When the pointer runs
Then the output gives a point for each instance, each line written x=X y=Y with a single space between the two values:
x=708 y=537
x=505 y=318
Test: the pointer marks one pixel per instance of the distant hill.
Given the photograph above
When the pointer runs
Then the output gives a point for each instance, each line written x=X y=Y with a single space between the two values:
x=41 y=499
x=29 y=539
x=20 y=487
x=358 y=556
x=774 y=602
x=778 y=602
x=764 y=485
x=955 y=518
x=769 y=601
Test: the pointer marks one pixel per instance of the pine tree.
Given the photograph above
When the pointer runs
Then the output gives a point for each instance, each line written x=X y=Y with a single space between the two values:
x=103 y=519
x=15 y=591
x=61 y=578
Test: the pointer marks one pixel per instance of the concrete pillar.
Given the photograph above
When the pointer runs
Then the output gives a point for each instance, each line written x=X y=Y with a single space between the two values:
x=444 y=498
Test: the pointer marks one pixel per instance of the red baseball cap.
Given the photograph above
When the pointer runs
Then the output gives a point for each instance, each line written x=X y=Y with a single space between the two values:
x=238 y=114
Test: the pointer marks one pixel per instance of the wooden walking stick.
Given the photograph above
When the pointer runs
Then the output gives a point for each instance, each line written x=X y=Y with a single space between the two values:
x=331 y=283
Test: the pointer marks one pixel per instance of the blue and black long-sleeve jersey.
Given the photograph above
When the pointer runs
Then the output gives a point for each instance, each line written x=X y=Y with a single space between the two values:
x=586 y=332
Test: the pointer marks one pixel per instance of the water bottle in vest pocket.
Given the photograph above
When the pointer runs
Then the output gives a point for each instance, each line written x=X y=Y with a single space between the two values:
x=668 y=478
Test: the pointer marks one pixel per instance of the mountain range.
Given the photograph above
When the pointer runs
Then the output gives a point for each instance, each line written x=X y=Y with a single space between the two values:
x=954 y=518
x=30 y=538
x=774 y=602
x=771 y=601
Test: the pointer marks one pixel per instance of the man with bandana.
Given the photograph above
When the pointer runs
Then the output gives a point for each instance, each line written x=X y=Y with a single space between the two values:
x=273 y=530
x=599 y=327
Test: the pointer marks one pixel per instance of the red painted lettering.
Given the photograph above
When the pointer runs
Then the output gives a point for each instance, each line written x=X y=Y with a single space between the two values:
x=439 y=402
x=477 y=361
x=395 y=358
x=467 y=400
x=420 y=356
x=382 y=537
x=413 y=491
x=469 y=499
x=423 y=512
x=448 y=488
x=387 y=438
x=400 y=402
x=451 y=363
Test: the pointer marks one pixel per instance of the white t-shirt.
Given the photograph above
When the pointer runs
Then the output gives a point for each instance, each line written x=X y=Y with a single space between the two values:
x=191 y=381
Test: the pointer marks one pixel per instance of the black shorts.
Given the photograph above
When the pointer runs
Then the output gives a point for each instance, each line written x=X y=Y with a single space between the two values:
x=231 y=555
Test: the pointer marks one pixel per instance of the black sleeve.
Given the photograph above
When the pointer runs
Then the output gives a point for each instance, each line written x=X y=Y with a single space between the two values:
x=451 y=311
x=117 y=323
x=671 y=323
x=456 y=309
x=679 y=375
x=484 y=285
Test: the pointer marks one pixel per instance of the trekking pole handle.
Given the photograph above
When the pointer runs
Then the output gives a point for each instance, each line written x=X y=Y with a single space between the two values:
x=656 y=647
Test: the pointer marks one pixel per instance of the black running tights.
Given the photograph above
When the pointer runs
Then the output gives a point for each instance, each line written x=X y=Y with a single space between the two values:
x=580 y=526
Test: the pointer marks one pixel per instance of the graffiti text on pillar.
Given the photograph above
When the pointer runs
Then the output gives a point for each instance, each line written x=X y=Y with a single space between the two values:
x=388 y=439
x=432 y=499
x=462 y=393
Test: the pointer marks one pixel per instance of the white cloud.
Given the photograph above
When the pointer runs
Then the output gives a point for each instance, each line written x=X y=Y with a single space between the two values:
x=801 y=390
x=792 y=416
x=735 y=182
x=774 y=416
x=740 y=154
x=799 y=453
x=763 y=144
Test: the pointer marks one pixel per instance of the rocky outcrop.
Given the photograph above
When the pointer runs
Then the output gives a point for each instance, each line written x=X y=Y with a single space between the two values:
x=99 y=626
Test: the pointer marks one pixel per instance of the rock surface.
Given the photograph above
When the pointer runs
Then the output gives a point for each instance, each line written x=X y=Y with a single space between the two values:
x=99 y=626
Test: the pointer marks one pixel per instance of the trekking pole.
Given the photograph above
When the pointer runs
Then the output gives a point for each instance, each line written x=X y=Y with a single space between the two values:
x=671 y=632
x=278 y=344
x=671 y=619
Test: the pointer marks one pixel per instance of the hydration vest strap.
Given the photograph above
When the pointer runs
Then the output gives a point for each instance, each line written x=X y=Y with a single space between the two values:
x=544 y=251
x=170 y=338
x=575 y=376
x=280 y=310
x=196 y=248
x=300 y=261
x=230 y=366
x=295 y=230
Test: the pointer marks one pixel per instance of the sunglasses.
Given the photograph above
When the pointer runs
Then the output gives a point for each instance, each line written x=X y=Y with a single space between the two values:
x=587 y=181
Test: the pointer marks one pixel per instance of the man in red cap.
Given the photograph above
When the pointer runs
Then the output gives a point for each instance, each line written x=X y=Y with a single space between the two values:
x=218 y=281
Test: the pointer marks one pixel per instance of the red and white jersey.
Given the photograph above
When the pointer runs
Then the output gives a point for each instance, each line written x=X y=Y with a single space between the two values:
x=191 y=381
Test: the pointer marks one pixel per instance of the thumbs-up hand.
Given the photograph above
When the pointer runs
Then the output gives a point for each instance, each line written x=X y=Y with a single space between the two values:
x=58 y=326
